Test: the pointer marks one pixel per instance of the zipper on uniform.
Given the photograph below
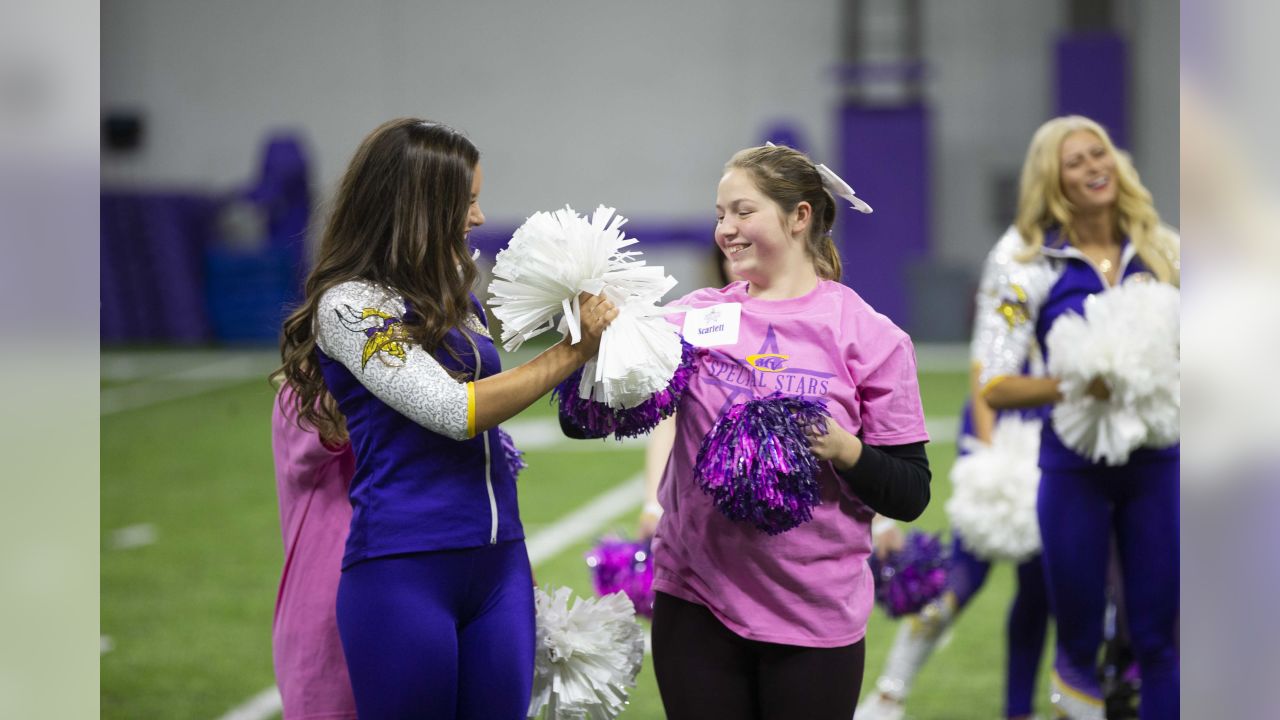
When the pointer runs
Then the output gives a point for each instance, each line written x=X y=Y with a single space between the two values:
x=488 y=474
x=1126 y=256
x=493 y=500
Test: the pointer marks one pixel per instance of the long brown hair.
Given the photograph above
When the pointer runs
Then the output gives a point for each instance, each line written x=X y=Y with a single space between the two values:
x=787 y=177
x=397 y=220
x=1042 y=203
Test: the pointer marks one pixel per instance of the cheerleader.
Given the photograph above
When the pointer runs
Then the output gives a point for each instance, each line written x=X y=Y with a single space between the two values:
x=435 y=604
x=1085 y=224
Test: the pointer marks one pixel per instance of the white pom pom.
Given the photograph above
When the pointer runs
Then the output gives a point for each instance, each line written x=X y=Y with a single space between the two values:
x=993 y=497
x=588 y=655
x=1128 y=337
x=554 y=256
x=639 y=354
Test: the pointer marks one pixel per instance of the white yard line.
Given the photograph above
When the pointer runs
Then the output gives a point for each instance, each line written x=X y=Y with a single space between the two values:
x=133 y=536
x=942 y=357
x=586 y=520
x=266 y=704
x=174 y=376
x=942 y=429
x=123 y=366
x=145 y=394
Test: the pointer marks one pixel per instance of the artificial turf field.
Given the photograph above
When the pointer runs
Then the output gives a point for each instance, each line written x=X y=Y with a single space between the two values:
x=191 y=547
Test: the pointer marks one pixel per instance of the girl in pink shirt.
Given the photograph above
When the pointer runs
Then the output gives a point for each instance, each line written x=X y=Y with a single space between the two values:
x=312 y=477
x=748 y=624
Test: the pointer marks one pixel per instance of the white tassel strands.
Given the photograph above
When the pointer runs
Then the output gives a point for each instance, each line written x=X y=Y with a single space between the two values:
x=993 y=498
x=588 y=655
x=1128 y=338
x=555 y=256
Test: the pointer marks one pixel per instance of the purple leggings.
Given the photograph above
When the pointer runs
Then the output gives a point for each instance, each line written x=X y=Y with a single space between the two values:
x=1025 y=629
x=444 y=634
x=1078 y=511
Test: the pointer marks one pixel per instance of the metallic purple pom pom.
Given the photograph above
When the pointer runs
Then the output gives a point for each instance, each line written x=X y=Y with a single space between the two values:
x=618 y=564
x=912 y=577
x=756 y=465
x=515 y=457
x=597 y=420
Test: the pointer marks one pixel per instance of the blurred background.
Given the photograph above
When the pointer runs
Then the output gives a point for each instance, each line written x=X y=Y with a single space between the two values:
x=225 y=126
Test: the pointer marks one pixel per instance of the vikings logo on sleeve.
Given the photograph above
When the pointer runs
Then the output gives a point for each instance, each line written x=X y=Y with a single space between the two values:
x=385 y=333
x=1013 y=306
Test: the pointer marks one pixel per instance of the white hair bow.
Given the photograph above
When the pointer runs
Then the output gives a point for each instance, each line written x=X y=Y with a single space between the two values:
x=838 y=186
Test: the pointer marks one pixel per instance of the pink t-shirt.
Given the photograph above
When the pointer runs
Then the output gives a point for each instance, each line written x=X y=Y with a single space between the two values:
x=809 y=586
x=311 y=482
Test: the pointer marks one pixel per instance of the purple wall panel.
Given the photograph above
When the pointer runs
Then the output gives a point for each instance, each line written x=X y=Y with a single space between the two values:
x=884 y=156
x=152 y=267
x=1092 y=79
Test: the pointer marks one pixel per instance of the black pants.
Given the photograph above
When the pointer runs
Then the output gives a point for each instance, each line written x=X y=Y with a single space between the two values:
x=704 y=670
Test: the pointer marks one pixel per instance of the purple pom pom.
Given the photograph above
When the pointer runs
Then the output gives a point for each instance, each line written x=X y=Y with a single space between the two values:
x=910 y=578
x=756 y=463
x=515 y=457
x=624 y=565
x=597 y=420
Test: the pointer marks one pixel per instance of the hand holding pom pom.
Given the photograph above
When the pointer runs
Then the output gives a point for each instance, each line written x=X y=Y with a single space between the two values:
x=597 y=315
x=1118 y=371
x=831 y=442
x=756 y=464
x=597 y=419
x=555 y=256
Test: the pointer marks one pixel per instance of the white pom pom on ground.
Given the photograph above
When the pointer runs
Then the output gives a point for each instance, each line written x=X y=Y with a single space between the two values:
x=588 y=655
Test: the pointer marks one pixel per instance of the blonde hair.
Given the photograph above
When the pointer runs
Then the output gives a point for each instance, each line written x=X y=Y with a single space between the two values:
x=1043 y=205
x=788 y=177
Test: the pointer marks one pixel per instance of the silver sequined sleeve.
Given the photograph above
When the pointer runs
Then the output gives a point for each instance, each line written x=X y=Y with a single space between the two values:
x=358 y=324
x=1009 y=299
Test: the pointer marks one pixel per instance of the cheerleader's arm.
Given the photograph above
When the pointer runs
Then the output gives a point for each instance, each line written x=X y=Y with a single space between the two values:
x=361 y=326
x=1006 y=307
x=1011 y=392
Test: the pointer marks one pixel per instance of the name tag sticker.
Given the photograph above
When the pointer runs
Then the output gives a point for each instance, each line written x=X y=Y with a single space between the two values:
x=712 y=326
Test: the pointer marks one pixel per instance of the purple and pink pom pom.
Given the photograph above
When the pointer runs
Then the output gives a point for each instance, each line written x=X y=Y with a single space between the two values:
x=624 y=565
x=597 y=420
x=910 y=578
x=756 y=464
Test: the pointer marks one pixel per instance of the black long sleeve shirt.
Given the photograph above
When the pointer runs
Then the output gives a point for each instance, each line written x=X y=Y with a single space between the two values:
x=893 y=480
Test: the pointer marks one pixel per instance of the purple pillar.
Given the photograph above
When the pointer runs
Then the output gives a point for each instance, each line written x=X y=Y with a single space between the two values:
x=1091 y=73
x=884 y=156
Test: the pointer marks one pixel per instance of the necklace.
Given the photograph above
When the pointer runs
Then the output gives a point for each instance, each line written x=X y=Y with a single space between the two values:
x=1106 y=265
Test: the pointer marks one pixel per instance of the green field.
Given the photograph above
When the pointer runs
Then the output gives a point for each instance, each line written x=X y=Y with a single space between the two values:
x=186 y=617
